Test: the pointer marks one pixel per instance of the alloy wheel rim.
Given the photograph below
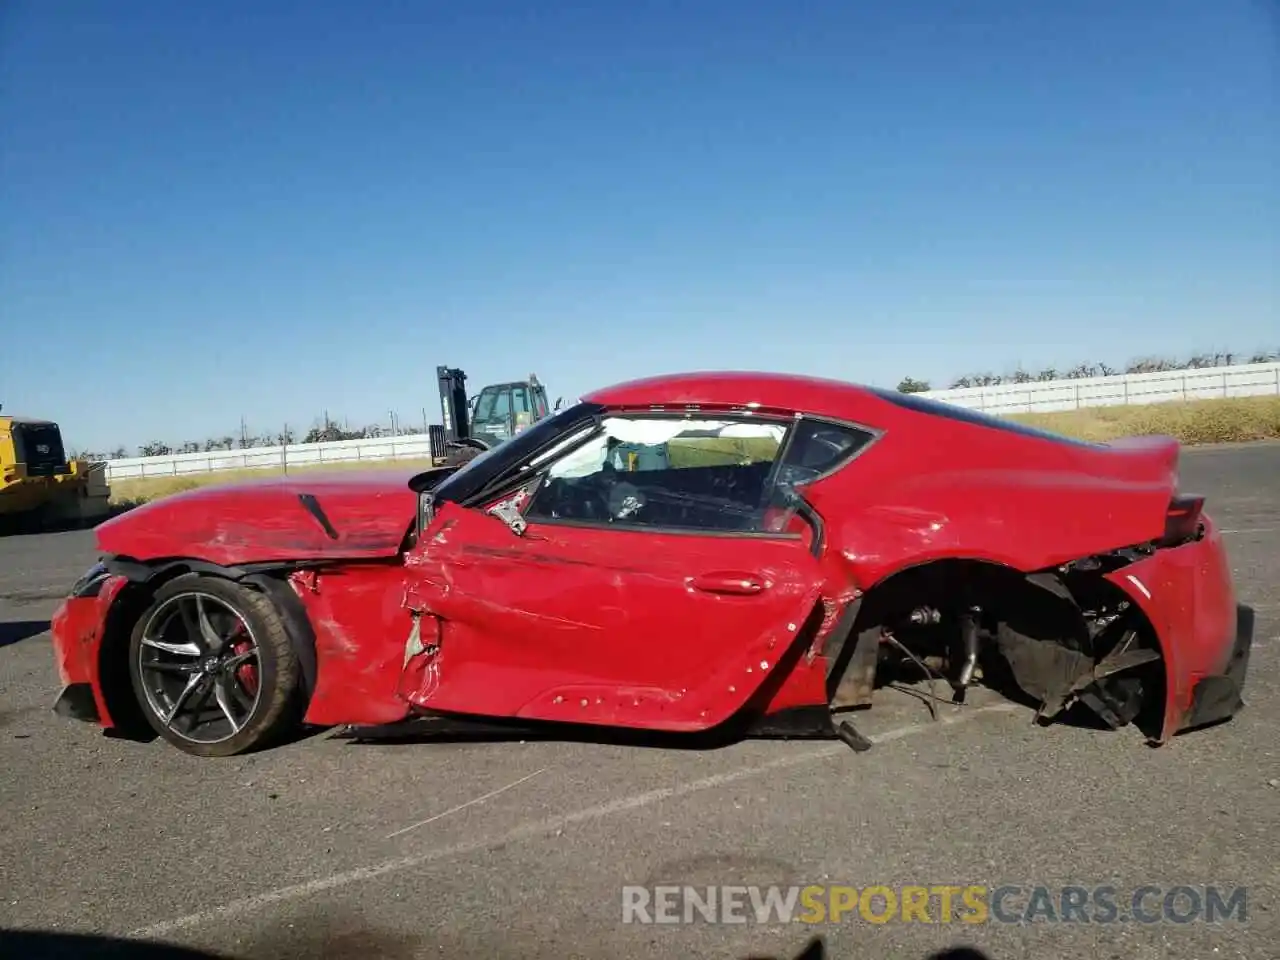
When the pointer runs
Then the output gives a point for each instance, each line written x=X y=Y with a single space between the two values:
x=200 y=667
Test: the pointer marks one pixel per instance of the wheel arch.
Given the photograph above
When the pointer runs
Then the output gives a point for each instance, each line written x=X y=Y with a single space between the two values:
x=989 y=569
x=143 y=580
x=851 y=673
x=996 y=586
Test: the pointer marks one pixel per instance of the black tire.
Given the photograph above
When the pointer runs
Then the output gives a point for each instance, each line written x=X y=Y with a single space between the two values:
x=274 y=710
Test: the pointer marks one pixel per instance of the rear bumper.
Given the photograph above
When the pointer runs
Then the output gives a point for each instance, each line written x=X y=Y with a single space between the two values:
x=1220 y=696
x=1188 y=596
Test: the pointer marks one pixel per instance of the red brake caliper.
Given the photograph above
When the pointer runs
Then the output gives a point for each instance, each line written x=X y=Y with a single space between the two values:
x=246 y=673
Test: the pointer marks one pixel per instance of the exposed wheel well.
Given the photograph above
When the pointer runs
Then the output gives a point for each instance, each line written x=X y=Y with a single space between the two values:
x=1037 y=638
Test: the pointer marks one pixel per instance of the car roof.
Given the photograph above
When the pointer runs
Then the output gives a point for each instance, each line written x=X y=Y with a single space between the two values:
x=880 y=407
x=777 y=391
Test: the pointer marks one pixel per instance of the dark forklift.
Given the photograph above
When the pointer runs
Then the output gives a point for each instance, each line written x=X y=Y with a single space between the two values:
x=497 y=413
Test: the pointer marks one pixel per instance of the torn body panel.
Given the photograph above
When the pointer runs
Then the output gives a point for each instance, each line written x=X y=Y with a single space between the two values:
x=357 y=616
x=1187 y=594
x=77 y=633
x=584 y=625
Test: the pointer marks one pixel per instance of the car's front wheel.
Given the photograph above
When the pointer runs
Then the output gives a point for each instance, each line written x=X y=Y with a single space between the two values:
x=212 y=667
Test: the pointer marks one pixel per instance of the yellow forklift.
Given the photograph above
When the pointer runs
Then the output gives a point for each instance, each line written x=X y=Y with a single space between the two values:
x=497 y=413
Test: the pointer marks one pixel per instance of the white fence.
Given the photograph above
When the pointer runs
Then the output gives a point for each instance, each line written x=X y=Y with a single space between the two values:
x=1241 y=380
x=415 y=447
x=1205 y=383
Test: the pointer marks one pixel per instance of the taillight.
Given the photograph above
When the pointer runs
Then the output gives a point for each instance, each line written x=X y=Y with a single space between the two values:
x=1182 y=522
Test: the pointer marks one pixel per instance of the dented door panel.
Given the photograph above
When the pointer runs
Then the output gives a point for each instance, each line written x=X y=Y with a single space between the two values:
x=603 y=625
x=357 y=615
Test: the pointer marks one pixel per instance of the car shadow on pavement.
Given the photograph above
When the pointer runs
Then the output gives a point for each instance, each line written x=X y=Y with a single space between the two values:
x=441 y=730
x=43 y=945
x=425 y=731
x=15 y=631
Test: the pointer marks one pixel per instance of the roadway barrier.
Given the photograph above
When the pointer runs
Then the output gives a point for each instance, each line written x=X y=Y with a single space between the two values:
x=1240 y=380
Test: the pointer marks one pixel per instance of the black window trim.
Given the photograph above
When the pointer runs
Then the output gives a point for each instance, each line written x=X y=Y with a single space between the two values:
x=621 y=526
x=804 y=509
x=873 y=434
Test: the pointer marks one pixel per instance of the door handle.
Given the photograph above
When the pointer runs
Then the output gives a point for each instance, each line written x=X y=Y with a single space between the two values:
x=730 y=581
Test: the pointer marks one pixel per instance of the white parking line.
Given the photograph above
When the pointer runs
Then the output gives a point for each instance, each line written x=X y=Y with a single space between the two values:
x=1253 y=530
x=462 y=806
x=538 y=828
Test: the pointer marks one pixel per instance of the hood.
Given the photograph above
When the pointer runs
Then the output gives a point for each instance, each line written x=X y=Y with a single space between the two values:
x=311 y=516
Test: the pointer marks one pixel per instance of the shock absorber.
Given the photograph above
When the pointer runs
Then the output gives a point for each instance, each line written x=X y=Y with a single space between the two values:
x=968 y=650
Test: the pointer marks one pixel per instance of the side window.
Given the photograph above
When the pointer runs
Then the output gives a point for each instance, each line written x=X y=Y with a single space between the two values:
x=667 y=473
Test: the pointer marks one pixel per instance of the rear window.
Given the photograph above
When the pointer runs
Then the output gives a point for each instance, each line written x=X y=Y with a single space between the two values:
x=936 y=408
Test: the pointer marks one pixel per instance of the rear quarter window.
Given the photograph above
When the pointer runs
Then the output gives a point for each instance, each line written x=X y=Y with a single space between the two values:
x=821 y=446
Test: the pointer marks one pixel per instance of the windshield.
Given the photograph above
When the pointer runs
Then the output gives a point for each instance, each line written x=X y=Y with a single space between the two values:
x=479 y=472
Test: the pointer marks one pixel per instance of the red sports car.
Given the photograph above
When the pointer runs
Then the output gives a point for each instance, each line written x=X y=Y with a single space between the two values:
x=697 y=553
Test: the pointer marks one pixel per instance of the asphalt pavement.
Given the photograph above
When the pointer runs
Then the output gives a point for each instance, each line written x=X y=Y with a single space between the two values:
x=328 y=848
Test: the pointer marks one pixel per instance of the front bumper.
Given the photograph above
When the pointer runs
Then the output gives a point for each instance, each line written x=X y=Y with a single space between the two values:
x=1220 y=696
x=76 y=630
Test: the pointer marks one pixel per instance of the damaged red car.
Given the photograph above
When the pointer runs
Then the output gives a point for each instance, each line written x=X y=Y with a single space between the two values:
x=733 y=552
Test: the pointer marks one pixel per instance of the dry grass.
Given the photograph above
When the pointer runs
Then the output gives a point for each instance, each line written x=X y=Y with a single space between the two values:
x=1199 y=421
x=137 y=491
x=1233 y=420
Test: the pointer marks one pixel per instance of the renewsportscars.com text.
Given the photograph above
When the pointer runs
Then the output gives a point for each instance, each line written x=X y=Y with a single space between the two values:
x=973 y=904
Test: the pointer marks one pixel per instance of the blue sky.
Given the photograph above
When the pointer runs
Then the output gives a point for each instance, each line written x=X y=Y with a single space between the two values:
x=268 y=209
